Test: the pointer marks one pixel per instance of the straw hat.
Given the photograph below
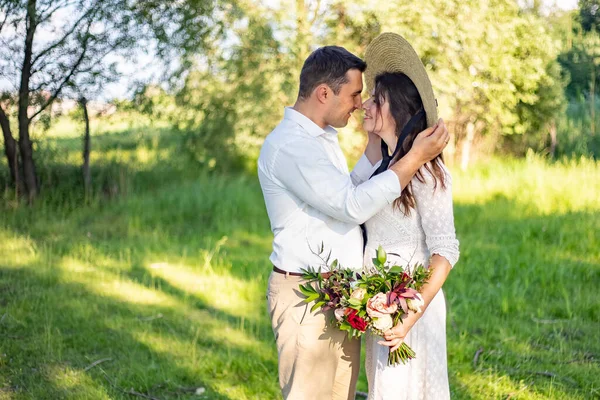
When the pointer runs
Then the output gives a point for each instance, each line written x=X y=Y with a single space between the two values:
x=390 y=52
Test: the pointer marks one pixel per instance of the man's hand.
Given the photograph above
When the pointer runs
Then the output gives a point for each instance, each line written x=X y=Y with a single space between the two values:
x=430 y=143
x=427 y=145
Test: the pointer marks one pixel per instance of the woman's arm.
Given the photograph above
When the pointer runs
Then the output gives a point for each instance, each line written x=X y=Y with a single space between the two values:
x=440 y=268
x=437 y=219
x=373 y=149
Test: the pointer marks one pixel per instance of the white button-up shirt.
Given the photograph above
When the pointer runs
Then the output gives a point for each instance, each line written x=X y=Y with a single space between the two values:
x=311 y=197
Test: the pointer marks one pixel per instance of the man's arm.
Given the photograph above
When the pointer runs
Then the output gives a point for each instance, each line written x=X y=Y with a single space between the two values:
x=304 y=168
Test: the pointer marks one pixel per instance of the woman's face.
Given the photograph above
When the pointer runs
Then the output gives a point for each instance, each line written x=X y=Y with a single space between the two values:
x=378 y=118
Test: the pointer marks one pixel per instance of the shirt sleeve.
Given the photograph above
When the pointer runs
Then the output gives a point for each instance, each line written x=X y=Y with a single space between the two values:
x=303 y=168
x=363 y=170
x=434 y=205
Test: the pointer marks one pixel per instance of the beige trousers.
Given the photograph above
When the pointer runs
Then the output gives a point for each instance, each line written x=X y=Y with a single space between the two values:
x=317 y=361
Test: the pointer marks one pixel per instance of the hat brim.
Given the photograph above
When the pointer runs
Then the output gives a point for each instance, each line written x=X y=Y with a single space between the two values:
x=391 y=53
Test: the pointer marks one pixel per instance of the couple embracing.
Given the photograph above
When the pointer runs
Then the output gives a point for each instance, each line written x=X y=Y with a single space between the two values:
x=398 y=196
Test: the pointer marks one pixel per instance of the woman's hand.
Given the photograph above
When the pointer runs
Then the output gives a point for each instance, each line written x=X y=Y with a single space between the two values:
x=373 y=150
x=395 y=336
x=440 y=268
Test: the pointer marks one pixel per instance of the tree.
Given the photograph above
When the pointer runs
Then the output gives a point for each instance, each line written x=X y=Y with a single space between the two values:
x=49 y=54
x=8 y=10
x=486 y=59
x=589 y=14
x=231 y=99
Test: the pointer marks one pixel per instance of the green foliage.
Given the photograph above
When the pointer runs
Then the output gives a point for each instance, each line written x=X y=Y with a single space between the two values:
x=492 y=65
x=589 y=14
x=574 y=137
x=487 y=60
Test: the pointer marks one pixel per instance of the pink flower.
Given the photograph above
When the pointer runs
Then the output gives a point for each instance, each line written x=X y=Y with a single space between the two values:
x=401 y=295
x=339 y=313
x=378 y=306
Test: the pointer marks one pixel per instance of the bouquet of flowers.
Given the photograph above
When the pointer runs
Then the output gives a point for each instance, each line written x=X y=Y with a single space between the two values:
x=375 y=300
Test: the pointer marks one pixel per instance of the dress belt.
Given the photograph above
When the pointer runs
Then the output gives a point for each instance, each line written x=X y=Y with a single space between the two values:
x=324 y=275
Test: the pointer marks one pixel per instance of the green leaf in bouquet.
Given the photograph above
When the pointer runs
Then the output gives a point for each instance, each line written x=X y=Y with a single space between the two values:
x=314 y=297
x=307 y=290
x=381 y=255
x=354 y=302
x=396 y=269
x=334 y=265
x=317 y=305
x=310 y=274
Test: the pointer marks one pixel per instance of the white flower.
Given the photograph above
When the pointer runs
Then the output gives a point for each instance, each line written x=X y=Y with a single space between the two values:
x=383 y=323
x=358 y=294
x=339 y=313
x=415 y=304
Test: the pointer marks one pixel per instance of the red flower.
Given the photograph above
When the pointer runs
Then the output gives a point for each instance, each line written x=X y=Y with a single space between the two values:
x=356 y=322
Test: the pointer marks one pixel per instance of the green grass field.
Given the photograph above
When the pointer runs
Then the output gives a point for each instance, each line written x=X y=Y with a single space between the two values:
x=155 y=286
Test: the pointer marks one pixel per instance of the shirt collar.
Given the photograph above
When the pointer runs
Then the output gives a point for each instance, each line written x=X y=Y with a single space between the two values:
x=306 y=123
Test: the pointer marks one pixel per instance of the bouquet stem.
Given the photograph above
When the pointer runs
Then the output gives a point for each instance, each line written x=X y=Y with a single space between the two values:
x=401 y=355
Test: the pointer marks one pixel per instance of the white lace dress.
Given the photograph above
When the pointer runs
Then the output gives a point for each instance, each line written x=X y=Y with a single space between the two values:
x=427 y=230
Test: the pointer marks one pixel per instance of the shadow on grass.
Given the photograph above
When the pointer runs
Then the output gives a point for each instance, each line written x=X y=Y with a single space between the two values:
x=52 y=324
x=523 y=293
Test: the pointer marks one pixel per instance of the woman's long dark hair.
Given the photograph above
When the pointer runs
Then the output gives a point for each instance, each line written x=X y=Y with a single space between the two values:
x=406 y=107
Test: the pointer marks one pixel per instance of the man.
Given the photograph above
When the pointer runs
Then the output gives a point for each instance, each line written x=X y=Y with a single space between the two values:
x=312 y=199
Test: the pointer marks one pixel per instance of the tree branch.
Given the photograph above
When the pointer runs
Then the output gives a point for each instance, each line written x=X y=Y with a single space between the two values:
x=4 y=20
x=8 y=8
x=62 y=40
x=43 y=18
x=67 y=78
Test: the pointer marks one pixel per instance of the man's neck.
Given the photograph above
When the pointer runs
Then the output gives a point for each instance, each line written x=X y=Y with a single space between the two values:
x=309 y=111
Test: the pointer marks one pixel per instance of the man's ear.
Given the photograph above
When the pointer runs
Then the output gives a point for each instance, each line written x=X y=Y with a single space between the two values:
x=323 y=93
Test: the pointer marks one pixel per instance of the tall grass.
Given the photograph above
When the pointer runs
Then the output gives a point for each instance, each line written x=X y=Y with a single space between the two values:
x=574 y=130
x=156 y=283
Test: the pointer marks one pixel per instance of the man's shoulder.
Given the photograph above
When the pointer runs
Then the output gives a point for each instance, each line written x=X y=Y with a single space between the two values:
x=285 y=134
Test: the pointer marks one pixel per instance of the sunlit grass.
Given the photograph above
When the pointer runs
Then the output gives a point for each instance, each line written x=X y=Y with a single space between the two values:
x=165 y=280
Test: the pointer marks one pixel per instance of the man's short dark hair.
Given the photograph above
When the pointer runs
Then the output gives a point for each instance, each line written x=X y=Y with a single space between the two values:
x=328 y=65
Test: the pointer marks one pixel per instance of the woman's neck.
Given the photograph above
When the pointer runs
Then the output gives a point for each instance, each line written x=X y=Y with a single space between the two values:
x=390 y=139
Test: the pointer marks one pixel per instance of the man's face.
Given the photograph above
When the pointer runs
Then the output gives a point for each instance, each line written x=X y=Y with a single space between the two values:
x=346 y=101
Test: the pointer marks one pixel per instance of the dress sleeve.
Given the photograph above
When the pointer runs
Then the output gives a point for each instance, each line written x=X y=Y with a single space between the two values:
x=437 y=216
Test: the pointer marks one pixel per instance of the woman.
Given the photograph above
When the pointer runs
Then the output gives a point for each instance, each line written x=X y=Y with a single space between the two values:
x=418 y=227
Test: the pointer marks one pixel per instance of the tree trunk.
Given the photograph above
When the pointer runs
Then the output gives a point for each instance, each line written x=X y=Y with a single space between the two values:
x=87 y=179
x=12 y=152
x=593 y=100
x=25 y=147
x=466 y=146
x=553 y=138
